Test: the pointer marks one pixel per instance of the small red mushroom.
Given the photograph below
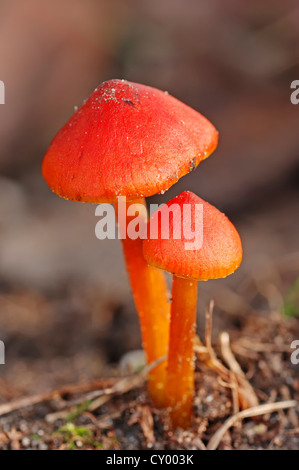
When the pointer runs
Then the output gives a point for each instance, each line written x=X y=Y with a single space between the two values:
x=135 y=141
x=219 y=255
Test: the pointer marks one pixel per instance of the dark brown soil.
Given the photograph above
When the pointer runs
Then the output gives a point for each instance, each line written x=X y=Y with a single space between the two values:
x=70 y=336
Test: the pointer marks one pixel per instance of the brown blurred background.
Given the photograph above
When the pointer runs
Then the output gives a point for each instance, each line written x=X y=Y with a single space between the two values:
x=233 y=62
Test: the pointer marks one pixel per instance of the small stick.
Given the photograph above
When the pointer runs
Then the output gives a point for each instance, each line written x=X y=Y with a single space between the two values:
x=47 y=396
x=228 y=355
x=208 y=334
x=251 y=412
x=285 y=392
x=100 y=397
x=260 y=347
x=24 y=402
x=235 y=392
x=250 y=398
x=109 y=384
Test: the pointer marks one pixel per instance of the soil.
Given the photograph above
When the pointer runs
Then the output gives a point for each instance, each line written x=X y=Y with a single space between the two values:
x=68 y=336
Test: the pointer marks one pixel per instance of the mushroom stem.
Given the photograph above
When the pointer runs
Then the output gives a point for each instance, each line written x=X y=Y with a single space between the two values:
x=150 y=293
x=180 y=381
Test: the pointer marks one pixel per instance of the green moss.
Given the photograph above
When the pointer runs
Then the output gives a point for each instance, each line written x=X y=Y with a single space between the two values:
x=80 y=409
x=291 y=301
x=72 y=433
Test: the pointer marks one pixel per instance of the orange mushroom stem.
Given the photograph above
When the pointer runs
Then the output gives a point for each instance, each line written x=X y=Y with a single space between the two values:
x=218 y=255
x=150 y=293
x=180 y=382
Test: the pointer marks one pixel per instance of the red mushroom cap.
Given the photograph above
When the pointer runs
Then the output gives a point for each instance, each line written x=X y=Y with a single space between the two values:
x=126 y=140
x=221 y=250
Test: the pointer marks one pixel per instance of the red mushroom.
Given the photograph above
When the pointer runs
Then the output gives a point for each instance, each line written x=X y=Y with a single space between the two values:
x=219 y=255
x=135 y=141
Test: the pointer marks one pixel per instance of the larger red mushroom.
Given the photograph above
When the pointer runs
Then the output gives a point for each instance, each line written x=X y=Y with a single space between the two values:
x=135 y=141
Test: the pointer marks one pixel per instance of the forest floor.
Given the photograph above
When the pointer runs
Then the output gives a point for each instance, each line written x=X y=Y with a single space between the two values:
x=113 y=412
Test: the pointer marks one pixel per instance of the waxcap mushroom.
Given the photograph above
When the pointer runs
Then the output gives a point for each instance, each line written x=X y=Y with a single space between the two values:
x=219 y=255
x=127 y=140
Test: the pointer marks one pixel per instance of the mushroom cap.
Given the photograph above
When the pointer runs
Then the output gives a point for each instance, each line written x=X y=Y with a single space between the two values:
x=221 y=250
x=126 y=140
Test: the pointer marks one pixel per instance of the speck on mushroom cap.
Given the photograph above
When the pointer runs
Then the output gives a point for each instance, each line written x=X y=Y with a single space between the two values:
x=126 y=140
x=221 y=251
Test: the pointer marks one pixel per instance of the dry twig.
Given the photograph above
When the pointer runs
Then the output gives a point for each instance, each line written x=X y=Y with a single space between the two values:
x=249 y=413
x=20 y=403
x=248 y=398
x=100 y=397
x=242 y=391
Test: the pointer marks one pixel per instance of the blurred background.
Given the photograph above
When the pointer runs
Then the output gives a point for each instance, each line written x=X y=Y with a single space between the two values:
x=65 y=306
